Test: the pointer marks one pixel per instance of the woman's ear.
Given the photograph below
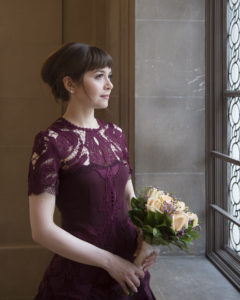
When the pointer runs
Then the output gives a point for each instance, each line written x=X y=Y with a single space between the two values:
x=69 y=84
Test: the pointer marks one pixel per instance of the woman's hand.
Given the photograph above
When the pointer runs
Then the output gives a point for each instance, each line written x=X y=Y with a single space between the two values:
x=125 y=273
x=149 y=260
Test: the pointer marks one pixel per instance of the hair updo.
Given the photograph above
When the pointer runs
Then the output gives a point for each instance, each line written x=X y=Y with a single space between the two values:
x=73 y=60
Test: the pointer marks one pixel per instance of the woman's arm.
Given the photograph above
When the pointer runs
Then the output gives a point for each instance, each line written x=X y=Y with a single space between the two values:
x=51 y=236
x=129 y=192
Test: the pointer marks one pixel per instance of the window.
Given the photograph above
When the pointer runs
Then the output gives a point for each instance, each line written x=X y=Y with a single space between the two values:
x=223 y=136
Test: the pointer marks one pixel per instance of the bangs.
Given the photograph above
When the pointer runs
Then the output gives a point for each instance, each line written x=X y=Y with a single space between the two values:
x=98 y=59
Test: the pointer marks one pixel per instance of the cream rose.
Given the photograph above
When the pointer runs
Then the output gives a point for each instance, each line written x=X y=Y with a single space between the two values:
x=193 y=217
x=167 y=198
x=180 y=206
x=154 y=193
x=179 y=221
x=157 y=200
x=151 y=192
x=154 y=205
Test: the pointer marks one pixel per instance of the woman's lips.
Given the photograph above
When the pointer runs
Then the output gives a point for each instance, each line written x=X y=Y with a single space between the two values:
x=105 y=96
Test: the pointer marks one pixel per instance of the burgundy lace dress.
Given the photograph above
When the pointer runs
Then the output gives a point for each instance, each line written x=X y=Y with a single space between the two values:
x=87 y=170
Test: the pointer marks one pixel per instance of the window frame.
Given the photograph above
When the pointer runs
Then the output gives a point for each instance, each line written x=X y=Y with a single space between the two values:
x=222 y=256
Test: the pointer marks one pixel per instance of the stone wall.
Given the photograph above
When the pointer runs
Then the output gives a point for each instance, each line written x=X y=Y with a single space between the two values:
x=170 y=102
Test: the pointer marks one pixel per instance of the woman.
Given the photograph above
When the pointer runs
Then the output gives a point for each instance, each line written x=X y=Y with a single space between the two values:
x=81 y=164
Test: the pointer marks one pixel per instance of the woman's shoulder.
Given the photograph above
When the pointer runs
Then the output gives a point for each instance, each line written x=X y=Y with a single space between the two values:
x=56 y=137
x=112 y=127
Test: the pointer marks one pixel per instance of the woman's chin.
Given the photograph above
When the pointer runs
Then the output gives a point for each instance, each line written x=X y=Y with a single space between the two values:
x=102 y=106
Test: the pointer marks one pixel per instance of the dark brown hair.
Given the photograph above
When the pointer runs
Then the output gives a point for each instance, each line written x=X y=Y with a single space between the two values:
x=73 y=60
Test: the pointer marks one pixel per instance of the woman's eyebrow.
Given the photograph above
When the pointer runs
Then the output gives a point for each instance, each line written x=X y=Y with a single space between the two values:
x=102 y=71
x=99 y=70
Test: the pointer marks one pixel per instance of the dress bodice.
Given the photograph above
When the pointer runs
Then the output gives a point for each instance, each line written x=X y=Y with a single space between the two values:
x=66 y=147
x=87 y=170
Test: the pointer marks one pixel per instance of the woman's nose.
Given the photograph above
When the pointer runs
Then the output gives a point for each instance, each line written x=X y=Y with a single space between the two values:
x=108 y=84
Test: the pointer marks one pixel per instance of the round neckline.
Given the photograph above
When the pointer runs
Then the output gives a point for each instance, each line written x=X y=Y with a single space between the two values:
x=82 y=128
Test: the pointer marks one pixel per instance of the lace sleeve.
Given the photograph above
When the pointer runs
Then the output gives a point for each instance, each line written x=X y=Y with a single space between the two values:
x=44 y=166
x=126 y=154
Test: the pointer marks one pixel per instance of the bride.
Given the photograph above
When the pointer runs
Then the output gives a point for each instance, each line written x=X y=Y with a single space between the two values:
x=81 y=165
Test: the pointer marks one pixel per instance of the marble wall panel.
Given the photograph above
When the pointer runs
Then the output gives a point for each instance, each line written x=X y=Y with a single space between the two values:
x=170 y=58
x=170 y=102
x=170 y=9
x=169 y=135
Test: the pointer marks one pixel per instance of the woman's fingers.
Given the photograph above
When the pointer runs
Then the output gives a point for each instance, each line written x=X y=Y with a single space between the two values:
x=132 y=285
x=133 y=281
x=136 y=281
x=149 y=261
x=139 y=273
x=151 y=257
x=125 y=273
x=148 y=265
x=124 y=288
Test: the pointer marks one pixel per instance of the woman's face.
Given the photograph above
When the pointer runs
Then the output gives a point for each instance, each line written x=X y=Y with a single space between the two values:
x=95 y=88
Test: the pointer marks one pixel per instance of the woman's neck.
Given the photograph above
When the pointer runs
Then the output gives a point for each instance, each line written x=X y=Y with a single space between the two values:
x=81 y=116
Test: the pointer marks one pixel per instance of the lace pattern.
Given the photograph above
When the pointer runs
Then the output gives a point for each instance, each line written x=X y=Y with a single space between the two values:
x=65 y=146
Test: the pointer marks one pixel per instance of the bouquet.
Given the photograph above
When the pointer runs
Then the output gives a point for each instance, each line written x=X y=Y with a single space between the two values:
x=163 y=220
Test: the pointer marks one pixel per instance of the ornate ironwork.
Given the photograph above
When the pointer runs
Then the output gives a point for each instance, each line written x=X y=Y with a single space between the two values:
x=233 y=84
x=234 y=171
x=233 y=55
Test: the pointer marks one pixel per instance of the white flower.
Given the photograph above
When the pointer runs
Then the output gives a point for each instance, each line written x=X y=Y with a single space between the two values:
x=193 y=217
x=179 y=221
x=154 y=205
x=180 y=206
x=167 y=198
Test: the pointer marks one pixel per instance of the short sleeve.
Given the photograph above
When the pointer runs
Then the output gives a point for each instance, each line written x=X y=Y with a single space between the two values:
x=43 y=175
x=126 y=155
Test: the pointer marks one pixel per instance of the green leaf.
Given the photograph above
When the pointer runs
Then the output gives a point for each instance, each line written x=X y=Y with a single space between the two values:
x=168 y=220
x=164 y=224
x=150 y=219
x=138 y=213
x=147 y=228
x=136 y=221
x=159 y=218
x=155 y=232
x=134 y=203
x=138 y=202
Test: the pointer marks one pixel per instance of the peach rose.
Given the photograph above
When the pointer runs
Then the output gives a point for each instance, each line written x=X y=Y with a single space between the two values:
x=180 y=206
x=153 y=205
x=154 y=193
x=179 y=221
x=193 y=217
x=167 y=198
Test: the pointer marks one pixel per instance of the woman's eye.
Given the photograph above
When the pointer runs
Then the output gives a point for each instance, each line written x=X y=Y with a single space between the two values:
x=99 y=76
